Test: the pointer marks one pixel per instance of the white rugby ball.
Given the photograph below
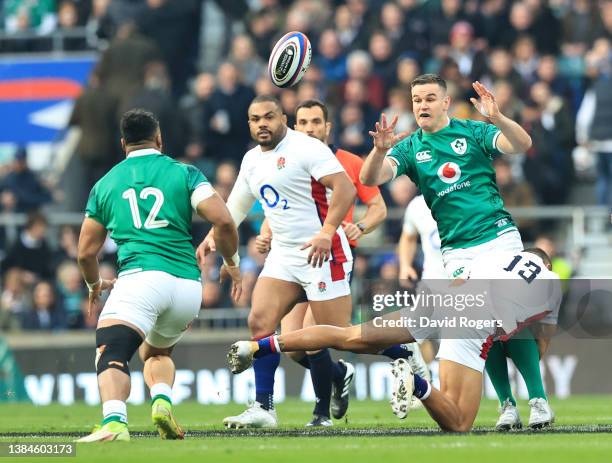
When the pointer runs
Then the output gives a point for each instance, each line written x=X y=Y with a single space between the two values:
x=289 y=59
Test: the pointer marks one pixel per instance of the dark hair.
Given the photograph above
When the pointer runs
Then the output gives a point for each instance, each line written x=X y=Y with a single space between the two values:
x=313 y=103
x=34 y=218
x=267 y=99
x=428 y=79
x=541 y=254
x=138 y=126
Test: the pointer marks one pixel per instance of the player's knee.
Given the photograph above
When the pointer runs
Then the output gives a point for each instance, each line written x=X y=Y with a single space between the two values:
x=146 y=351
x=259 y=326
x=116 y=345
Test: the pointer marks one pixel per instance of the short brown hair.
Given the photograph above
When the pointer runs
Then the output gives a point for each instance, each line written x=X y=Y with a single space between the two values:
x=313 y=103
x=428 y=79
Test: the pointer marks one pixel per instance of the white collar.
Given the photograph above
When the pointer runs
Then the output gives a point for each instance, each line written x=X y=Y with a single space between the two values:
x=143 y=152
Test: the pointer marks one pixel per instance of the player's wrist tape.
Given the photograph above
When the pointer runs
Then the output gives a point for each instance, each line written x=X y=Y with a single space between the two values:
x=235 y=260
x=92 y=286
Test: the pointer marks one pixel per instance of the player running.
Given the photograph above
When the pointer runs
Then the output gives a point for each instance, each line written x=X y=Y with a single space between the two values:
x=523 y=291
x=305 y=194
x=146 y=204
x=450 y=161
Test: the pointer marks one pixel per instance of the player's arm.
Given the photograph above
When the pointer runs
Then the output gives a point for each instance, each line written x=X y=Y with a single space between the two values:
x=376 y=212
x=263 y=241
x=406 y=250
x=513 y=139
x=342 y=198
x=377 y=168
x=91 y=240
x=225 y=235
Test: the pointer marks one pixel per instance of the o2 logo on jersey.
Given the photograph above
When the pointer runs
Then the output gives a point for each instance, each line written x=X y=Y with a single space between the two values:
x=449 y=172
x=270 y=196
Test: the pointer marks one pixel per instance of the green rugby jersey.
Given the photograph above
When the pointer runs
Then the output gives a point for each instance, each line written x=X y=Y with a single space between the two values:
x=145 y=204
x=452 y=168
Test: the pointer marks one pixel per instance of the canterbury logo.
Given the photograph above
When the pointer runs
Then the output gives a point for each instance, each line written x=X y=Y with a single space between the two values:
x=114 y=362
x=423 y=156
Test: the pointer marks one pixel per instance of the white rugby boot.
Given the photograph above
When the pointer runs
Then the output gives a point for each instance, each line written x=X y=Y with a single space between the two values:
x=541 y=414
x=418 y=365
x=403 y=387
x=240 y=356
x=509 y=418
x=253 y=417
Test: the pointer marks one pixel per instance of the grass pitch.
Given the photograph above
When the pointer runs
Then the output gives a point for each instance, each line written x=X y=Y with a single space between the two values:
x=582 y=433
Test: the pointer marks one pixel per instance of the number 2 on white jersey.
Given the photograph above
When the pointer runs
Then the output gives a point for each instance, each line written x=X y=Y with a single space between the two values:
x=152 y=221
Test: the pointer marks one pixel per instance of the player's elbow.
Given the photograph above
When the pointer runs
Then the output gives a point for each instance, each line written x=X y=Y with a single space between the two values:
x=224 y=223
x=85 y=254
x=366 y=179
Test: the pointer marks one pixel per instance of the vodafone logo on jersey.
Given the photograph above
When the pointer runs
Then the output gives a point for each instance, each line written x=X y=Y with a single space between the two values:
x=449 y=172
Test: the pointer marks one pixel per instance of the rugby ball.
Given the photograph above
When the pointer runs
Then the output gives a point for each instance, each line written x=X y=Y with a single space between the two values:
x=289 y=59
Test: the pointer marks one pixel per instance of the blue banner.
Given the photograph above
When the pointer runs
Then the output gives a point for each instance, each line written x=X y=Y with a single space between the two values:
x=37 y=95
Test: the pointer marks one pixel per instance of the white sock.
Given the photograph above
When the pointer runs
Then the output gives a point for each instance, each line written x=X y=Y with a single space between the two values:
x=115 y=408
x=161 y=389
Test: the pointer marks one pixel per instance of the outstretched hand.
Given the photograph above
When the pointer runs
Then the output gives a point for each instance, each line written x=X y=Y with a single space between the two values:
x=486 y=104
x=383 y=134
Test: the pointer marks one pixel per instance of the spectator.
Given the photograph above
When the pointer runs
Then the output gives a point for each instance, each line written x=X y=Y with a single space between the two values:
x=359 y=65
x=331 y=59
x=441 y=21
x=264 y=26
x=98 y=149
x=594 y=119
x=45 y=313
x=21 y=190
x=193 y=106
x=525 y=58
x=155 y=96
x=122 y=65
x=356 y=92
x=70 y=292
x=68 y=20
x=407 y=69
x=493 y=21
x=68 y=245
x=507 y=101
x=521 y=24
x=500 y=68
x=227 y=131
x=400 y=106
x=546 y=29
x=350 y=130
x=23 y=15
x=244 y=57
x=548 y=164
x=381 y=50
x=416 y=26
x=349 y=29
x=288 y=100
x=31 y=253
x=547 y=71
x=471 y=62
x=13 y=300
x=515 y=193
x=173 y=26
x=580 y=26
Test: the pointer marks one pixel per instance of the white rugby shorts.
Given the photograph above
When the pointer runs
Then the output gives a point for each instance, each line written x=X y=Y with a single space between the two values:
x=161 y=305
x=320 y=283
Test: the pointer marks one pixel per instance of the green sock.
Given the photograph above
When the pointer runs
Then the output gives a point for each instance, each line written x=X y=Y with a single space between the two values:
x=524 y=353
x=497 y=369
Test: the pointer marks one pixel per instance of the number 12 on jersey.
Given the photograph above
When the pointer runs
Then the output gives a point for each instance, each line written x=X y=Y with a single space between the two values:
x=152 y=221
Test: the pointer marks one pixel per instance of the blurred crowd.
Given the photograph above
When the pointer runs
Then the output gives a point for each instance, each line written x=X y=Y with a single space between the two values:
x=548 y=62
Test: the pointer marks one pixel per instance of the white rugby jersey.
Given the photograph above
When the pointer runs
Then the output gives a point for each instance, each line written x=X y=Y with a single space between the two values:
x=521 y=287
x=285 y=181
x=418 y=219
